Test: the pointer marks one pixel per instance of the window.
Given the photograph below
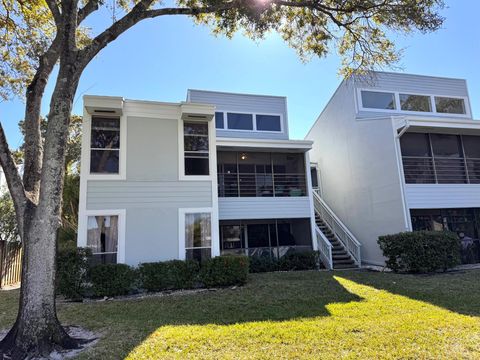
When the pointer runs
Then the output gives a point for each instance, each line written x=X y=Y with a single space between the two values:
x=261 y=174
x=196 y=148
x=268 y=123
x=198 y=236
x=105 y=146
x=219 y=123
x=415 y=103
x=102 y=238
x=240 y=121
x=265 y=238
x=449 y=105
x=378 y=100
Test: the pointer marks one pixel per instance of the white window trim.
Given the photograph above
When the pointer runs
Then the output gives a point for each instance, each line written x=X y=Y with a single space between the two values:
x=86 y=140
x=215 y=245
x=83 y=231
x=424 y=113
x=211 y=151
x=254 y=119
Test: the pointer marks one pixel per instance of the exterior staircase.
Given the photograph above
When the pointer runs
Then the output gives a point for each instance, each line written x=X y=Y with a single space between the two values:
x=340 y=257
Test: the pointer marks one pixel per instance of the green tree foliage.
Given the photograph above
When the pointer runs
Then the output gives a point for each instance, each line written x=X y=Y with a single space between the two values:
x=8 y=222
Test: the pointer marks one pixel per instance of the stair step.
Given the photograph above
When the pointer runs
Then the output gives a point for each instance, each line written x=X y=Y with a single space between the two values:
x=341 y=257
x=344 y=262
x=341 y=267
x=339 y=252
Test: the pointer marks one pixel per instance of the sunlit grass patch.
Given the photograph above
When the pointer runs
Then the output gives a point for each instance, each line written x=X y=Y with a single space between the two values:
x=380 y=325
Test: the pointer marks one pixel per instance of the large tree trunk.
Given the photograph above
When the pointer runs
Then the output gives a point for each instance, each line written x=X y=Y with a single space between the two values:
x=37 y=330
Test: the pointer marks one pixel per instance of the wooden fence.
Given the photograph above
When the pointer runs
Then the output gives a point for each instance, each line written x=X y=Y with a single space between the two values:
x=10 y=263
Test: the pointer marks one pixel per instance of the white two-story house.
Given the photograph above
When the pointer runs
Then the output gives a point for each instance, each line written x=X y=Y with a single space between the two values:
x=398 y=152
x=215 y=174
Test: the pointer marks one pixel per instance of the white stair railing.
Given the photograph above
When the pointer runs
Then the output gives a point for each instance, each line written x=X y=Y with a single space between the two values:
x=351 y=244
x=325 y=248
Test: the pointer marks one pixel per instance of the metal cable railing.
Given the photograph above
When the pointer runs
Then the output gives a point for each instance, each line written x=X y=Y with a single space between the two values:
x=441 y=170
x=261 y=185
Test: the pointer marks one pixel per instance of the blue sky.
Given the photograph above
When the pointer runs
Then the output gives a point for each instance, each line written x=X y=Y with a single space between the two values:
x=161 y=58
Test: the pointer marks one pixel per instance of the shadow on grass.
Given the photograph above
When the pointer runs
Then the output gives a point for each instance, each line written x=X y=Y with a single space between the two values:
x=266 y=297
x=457 y=291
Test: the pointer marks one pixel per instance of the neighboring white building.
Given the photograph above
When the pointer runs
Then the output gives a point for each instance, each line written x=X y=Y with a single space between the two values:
x=399 y=152
x=214 y=175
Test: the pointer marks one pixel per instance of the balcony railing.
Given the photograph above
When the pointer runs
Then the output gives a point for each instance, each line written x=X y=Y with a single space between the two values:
x=261 y=185
x=441 y=170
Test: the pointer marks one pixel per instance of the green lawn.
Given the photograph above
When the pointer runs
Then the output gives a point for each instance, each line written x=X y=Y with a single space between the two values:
x=308 y=315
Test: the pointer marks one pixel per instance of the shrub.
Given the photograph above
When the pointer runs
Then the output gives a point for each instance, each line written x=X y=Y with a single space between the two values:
x=260 y=264
x=168 y=275
x=305 y=260
x=224 y=270
x=111 y=279
x=420 y=251
x=72 y=270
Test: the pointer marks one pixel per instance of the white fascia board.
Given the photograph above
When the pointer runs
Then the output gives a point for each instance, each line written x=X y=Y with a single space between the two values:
x=412 y=121
x=196 y=111
x=265 y=143
x=103 y=104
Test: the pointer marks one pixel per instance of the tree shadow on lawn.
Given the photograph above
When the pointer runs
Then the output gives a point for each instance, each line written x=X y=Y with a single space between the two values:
x=457 y=291
x=273 y=297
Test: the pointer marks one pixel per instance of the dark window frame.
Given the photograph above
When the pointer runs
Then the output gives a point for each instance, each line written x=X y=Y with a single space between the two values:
x=105 y=149
x=193 y=157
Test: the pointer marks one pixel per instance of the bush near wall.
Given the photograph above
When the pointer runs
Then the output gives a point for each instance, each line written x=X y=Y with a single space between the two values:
x=421 y=251
x=224 y=270
x=168 y=275
x=112 y=279
x=72 y=271
x=305 y=260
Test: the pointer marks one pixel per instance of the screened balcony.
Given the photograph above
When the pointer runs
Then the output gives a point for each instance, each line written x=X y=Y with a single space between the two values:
x=261 y=174
x=440 y=158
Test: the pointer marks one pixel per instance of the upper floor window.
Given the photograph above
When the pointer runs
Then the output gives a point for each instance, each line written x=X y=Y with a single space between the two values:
x=196 y=148
x=415 y=103
x=449 y=105
x=268 y=123
x=422 y=103
x=219 y=121
x=378 y=100
x=248 y=121
x=440 y=158
x=105 y=145
x=237 y=121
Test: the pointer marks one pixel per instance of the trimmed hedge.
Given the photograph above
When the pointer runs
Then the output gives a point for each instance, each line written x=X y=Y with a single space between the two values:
x=304 y=260
x=224 y=270
x=261 y=264
x=112 y=279
x=168 y=275
x=421 y=251
x=72 y=271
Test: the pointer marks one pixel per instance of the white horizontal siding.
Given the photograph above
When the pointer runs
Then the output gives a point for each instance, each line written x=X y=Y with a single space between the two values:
x=263 y=208
x=416 y=84
x=164 y=194
x=246 y=103
x=440 y=196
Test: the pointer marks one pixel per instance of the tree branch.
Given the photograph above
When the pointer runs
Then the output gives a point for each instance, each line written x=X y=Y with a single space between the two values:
x=54 y=9
x=137 y=14
x=33 y=146
x=14 y=181
x=89 y=8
